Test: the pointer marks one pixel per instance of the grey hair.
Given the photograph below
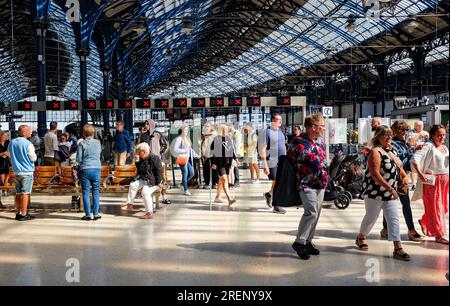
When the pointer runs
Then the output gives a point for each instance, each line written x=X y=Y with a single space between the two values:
x=143 y=146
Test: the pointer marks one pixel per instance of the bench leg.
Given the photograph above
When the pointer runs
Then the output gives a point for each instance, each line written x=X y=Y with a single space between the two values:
x=156 y=201
x=81 y=203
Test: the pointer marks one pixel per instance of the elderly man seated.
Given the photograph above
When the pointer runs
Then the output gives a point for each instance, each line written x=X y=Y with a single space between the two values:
x=148 y=178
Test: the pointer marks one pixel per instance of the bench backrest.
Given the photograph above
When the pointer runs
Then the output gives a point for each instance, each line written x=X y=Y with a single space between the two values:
x=105 y=172
x=44 y=174
x=67 y=177
x=123 y=174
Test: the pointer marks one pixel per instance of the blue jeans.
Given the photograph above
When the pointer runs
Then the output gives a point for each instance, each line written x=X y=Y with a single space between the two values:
x=187 y=172
x=90 y=177
x=24 y=184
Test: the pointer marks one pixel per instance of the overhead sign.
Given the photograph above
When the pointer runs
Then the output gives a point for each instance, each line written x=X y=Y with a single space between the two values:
x=71 y=105
x=89 y=104
x=126 y=104
x=142 y=103
x=254 y=101
x=54 y=105
x=24 y=106
x=161 y=103
x=283 y=101
x=236 y=101
x=217 y=102
x=180 y=102
x=327 y=111
x=107 y=104
x=198 y=102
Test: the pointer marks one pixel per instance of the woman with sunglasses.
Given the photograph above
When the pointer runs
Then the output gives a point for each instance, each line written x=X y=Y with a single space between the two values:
x=404 y=153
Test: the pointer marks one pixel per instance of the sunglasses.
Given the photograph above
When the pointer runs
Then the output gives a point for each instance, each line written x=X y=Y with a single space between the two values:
x=404 y=130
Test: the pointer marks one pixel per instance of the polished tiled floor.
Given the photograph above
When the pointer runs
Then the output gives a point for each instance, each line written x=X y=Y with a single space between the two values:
x=194 y=243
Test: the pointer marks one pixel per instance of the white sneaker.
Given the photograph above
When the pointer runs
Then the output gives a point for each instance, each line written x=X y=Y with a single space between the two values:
x=187 y=193
x=219 y=200
x=256 y=182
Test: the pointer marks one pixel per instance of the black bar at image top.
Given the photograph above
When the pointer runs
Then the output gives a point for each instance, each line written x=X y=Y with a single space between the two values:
x=217 y=102
x=254 y=101
x=71 y=105
x=198 y=102
x=161 y=103
x=180 y=102
x=141 y=103
x=125 y=103
x=53 y=105
x=235 y=101
x=25 y=106
x=89 y=104
x=107 y=104
x=283 y=101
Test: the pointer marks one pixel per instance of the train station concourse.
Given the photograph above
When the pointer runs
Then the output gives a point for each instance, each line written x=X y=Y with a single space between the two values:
x=250 y=145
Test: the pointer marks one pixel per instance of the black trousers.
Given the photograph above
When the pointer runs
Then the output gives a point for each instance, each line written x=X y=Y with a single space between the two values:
x=207 y=173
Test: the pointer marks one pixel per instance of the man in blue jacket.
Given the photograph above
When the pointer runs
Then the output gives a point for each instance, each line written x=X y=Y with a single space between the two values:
x=122 y=144
x=22 y=157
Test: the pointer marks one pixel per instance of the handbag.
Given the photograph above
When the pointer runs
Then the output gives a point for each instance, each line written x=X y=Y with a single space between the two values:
x=181 y=160
x=431 y=180
x=402 y=188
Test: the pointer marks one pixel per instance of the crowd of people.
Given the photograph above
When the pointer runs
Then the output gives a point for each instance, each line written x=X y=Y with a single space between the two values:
x=393 y=154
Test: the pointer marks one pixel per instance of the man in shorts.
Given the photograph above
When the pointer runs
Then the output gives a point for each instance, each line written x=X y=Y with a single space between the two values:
x=273 y=146
x=22 y=157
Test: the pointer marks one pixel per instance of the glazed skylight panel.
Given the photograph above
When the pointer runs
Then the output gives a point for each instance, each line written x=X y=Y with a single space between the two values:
x=438 y=53
x=400 y=65
x=328 y=32
x=321 y=8
x=72 y=90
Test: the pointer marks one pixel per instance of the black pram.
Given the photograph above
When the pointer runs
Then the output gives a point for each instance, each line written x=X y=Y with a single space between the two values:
x=346 y=177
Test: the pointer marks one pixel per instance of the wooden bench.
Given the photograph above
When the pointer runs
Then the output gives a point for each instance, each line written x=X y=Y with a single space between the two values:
x=121 y=179
x=61 y=179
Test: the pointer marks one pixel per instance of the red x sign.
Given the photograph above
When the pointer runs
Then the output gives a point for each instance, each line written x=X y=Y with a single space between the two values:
x=165 y=103
x=56 y=105
x=27 y=105
x=255 y=101
x=109 y=104
x=201 y=102
x=286 y=101
x=73 y=105
x=182 y=102
x=219 y=102
x=92 y=104
x=238 y=101
x=146 y=103
x=128 y=103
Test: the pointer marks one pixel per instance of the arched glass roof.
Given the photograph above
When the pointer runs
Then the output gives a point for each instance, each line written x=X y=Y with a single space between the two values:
x=59 y=24
x=434 y=55
x=166 y=22
x=315 y=31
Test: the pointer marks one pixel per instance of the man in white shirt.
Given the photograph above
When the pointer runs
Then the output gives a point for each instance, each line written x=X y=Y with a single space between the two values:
x=416 y=138
x=51 y=145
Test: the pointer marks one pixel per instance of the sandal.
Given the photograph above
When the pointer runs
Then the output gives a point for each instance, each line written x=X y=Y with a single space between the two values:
x=362 y=246
x=404 y=256
x=442 y=240
x=166 y=201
